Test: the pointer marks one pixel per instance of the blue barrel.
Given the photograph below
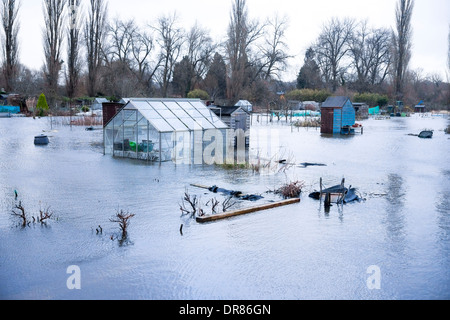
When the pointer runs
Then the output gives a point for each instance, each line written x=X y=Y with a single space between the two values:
x=41 y=140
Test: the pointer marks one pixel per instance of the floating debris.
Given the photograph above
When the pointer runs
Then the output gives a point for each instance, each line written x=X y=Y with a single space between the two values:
x=41 y=140
x=336 y=194
x=307 y=164
x=232 y=193
x=211 y=218
x=426 y=134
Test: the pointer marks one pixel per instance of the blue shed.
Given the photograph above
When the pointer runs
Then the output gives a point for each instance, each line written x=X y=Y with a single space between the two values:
x=338 y=114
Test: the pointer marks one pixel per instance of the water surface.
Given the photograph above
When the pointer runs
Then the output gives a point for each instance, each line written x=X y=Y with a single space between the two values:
x=294 y=252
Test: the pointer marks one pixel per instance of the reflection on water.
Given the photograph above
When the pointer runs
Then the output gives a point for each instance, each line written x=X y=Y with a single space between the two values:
x=294 y=252
x=395 y=215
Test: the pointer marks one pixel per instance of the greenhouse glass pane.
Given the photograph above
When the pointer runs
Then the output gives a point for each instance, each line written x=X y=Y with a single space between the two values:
x=158 y=105
x=166 y=114
x=150 y=114
x=174 y=107
x=161 y=125
x=141 y=105
x=186 y=106
x=177 y=124
x=192 y=124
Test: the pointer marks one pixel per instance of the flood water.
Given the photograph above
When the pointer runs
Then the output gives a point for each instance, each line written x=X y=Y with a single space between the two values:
x=402 y=227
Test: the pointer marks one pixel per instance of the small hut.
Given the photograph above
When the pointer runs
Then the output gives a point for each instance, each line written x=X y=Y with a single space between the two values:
x=235 y=117
x=361 y=110
x=244 y=104
x=338 y=115
x=420 y=108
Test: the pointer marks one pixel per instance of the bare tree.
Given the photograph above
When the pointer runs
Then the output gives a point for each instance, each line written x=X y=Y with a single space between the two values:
x=402 y=44
x=199 y=53
x=370 y=54
x=143 y=47
x=331 y=47
x=242 y=33
x=11 y=26
x=53 y=38
x=448 y=56
x=121 y=36
x=170 y=39
x=73 y=48
x=274 y=50
x=94 y=34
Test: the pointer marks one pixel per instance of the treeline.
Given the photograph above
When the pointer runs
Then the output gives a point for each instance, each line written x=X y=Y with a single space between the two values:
x=352 y=58
x=90 y=54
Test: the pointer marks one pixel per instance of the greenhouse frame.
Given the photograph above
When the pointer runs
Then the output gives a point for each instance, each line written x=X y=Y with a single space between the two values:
x=161 y=130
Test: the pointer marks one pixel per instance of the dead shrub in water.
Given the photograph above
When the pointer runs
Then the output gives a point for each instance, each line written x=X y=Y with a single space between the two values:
x=191 y=202
x=44 y=215
x=291 y=190
x=22 y=215
x=123 y=219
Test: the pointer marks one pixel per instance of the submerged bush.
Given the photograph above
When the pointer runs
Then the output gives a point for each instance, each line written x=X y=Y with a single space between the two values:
x=42 y=106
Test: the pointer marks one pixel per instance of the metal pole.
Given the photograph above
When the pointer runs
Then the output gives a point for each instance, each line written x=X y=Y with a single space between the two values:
x=160 y=147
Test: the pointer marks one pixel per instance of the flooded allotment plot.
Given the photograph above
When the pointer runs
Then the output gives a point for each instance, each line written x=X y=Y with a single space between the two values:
x=393 y=243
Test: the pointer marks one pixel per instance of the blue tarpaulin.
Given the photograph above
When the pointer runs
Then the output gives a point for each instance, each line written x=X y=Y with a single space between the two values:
x=374 y=111
x=9 y=109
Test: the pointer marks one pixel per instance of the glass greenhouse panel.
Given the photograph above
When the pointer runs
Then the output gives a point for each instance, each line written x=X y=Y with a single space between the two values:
x=161 y=130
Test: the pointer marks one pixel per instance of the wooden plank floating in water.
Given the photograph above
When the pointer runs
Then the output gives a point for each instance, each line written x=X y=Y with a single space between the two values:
x=235 y=213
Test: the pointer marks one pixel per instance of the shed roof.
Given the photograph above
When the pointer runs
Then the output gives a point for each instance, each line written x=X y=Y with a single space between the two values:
x=335 y=102
x=225 y=110
x=243 y=103
x=101 y=100
x=169 y=115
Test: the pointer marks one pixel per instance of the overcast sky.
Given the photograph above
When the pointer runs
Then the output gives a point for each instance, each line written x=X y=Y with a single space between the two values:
x=431 y=21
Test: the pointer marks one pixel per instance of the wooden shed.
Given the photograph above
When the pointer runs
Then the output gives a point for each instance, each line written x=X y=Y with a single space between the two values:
x=338 y=114
x=234 y=117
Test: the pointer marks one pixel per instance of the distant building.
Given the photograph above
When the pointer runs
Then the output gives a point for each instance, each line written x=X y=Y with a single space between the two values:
x=244 y=104
x=234 y=117
x=98 y=103
x=420 y=108
x=361 y=110
x=311 y=105
x=338 y=114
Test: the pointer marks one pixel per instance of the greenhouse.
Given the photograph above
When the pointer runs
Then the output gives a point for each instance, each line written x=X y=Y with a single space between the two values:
x=160 y=130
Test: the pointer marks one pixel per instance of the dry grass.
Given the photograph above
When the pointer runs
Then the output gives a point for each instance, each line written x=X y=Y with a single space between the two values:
x=308 y=123
x=81 y=121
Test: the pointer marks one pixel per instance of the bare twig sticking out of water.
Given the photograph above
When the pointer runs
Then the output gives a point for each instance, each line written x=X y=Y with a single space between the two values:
x=45 y=215
x=191 y=205
x=123 y=219
x=21 y=214
x=191 y=201
x=227 y=204
x=214 y=204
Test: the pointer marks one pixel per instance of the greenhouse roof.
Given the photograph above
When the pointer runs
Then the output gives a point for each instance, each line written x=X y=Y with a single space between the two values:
x=168 y=115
